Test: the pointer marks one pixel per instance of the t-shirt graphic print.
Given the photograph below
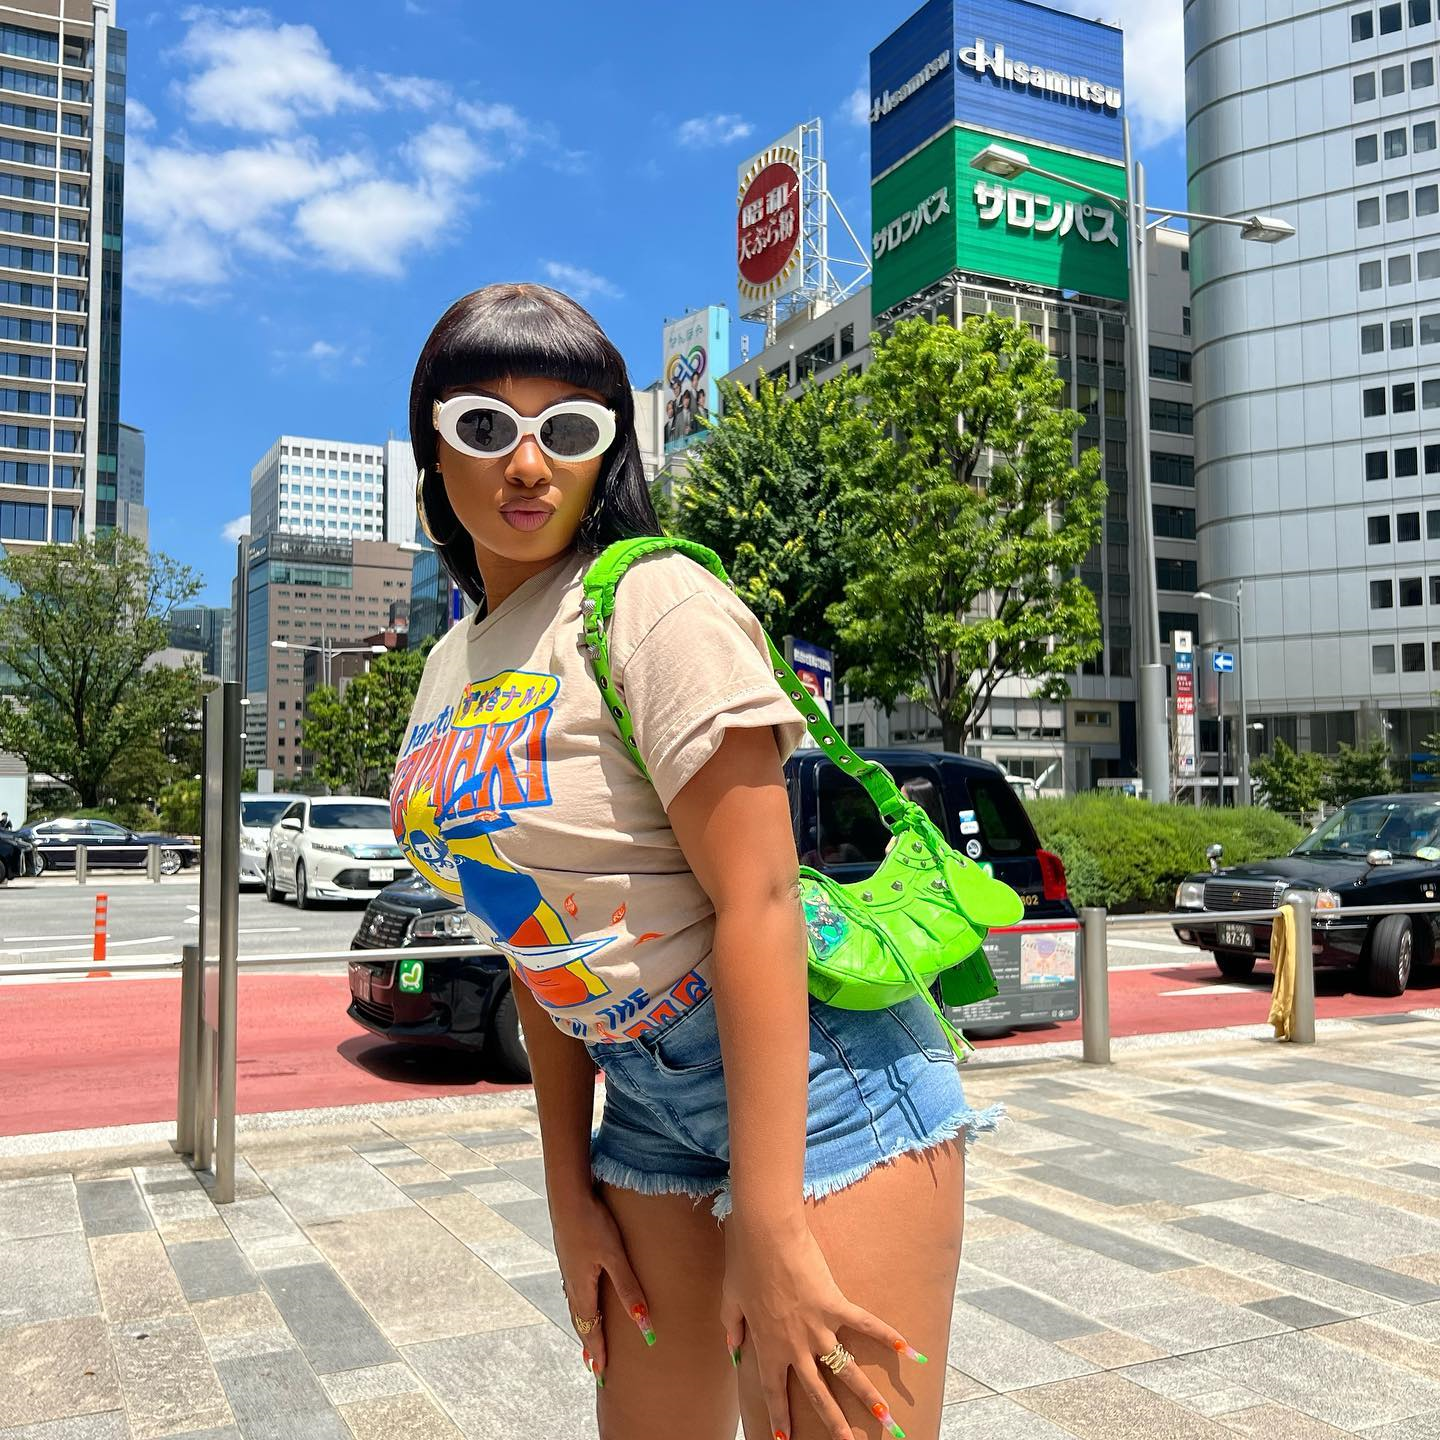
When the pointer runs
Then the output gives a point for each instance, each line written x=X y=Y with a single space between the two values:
x=514 y=795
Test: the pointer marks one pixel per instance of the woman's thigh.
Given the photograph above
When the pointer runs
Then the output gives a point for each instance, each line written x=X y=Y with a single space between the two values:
x=893 y=1244
x=677 y=1250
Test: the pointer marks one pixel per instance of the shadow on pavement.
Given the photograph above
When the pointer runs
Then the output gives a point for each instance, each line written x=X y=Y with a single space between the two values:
x=423 y=1065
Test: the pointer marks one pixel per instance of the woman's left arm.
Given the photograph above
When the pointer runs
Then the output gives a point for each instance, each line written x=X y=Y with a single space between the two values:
x=732 y=820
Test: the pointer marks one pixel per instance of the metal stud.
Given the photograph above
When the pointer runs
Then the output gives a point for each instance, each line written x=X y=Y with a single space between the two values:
x=828 y=739
x=866 y=895
x=779 y=674
x=897 y=884
x=795 y=694
x=917 y=847
x=587 y=606
x=937 y=883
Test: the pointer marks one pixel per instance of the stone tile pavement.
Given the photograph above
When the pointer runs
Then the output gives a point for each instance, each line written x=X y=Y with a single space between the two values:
x=1224 y=1239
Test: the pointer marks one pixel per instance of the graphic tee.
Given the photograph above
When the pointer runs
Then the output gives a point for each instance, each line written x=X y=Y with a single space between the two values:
x=514 y=793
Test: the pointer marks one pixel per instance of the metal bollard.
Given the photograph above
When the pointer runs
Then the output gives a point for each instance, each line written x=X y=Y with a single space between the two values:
x=82 y=863
x=1304 y=1033
x=184 y=1141
x=152 y=863
x=1094 y=988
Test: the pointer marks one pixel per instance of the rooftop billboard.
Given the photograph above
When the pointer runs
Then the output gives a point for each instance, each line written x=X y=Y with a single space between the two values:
x=1015 y=67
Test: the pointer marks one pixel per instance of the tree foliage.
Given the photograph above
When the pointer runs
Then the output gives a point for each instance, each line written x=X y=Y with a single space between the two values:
x=1356 y=771
x=762 y=496
x=1292 y=782
x=354 y=735
x=964 y=518
x=79 y=625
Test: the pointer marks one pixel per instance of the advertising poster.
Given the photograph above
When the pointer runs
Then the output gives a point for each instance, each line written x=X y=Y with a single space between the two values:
x=1036 y=970
x=1182 y=646
x=814 y=668
x=768 y=228
x=696 y=354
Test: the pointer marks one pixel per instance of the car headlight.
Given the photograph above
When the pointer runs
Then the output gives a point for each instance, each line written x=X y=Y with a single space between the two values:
x=329 y=847
x=1326 y=900
x=443 y=925
x=1190 y=895
x=251 y=846
x=1321 y=901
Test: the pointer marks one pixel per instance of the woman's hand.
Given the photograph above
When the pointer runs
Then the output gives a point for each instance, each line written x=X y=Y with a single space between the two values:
x=587 y=1241
x=779 y=1294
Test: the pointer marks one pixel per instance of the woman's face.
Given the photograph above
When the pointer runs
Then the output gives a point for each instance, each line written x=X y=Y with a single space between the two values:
x=524 y=507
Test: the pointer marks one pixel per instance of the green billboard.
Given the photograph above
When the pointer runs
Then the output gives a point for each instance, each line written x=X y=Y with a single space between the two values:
x=935 y=213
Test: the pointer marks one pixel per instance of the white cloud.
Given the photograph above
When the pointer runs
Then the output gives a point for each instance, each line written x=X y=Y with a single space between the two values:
x=579 y=282
x=323 y=350
x=237 y=527
x=857 y=105
x=372 y=226
x=706 y=130
x=414 y=90
x=253 y=74
x=1154 y=63
x=448 y=154
x=139 y=118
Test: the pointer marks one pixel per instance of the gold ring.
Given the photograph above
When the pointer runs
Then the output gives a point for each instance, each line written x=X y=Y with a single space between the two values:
x=837 y=1359
x=584 y=1327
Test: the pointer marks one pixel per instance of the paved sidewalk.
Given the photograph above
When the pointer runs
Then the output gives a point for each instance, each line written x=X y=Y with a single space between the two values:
x=1233 y=1238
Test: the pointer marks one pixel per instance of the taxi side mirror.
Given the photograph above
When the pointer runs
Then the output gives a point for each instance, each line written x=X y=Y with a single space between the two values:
x=1213 y=854
x=1379 y=857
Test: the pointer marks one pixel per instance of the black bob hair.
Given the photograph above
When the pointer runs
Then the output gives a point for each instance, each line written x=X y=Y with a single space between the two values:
x=513 y=332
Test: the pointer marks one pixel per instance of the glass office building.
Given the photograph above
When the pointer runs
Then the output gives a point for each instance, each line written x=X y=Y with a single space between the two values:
x=1317 y=361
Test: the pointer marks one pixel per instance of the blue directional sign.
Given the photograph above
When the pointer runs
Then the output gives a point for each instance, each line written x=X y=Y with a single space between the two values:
x=1223 y=662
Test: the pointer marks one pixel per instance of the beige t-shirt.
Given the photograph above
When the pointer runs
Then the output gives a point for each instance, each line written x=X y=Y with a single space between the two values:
x=514 y=793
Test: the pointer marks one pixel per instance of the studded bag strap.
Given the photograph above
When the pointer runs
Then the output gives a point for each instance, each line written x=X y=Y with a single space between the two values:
x=601 y=581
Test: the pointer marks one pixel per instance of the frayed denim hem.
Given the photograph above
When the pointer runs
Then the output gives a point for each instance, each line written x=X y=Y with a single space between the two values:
x=644 y=1182
x=968 y=1122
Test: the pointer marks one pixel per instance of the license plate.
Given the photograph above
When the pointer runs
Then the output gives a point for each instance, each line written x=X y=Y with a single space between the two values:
x=1237 y=937
x=382 y=872
x=360 y=982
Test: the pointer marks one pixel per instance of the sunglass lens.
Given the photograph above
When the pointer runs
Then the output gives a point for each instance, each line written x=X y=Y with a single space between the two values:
x=490 y=432
x=569 y=433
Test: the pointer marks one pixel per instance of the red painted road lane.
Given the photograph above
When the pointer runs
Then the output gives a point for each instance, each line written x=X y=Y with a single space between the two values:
x=102 y=1052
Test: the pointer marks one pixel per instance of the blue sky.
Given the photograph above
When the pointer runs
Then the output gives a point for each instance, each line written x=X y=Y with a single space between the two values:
x=310 y=186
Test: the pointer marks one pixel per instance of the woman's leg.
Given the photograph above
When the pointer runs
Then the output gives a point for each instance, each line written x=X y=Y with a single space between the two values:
x=684 y=1383
x=893 y=1243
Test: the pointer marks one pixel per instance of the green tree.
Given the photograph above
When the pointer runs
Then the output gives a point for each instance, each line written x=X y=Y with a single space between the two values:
x=965 y=517
x=354 y=736
x=79 y=625
x=1292 y=781
x=1356 y=771
x=762 y=496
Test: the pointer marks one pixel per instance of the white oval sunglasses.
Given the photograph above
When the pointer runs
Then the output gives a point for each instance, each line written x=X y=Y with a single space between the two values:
x=480 y=425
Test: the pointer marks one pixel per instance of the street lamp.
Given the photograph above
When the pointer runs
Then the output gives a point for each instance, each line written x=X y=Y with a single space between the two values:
x=1006 y=163
x=328 y=652
x=1237 y=604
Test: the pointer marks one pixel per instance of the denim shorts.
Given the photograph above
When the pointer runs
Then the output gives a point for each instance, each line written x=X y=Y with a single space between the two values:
x=882 y=1083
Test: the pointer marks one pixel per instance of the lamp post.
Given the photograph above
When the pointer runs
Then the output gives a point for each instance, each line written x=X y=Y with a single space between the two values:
x=1238 y=606
x=327 y=652
x=1005 y=163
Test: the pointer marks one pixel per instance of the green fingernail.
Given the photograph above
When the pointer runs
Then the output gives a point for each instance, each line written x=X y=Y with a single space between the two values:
x=735 y=1357
x=599 y=1380
x=921 y=1359
x=896 y=1431
x=649 y=1337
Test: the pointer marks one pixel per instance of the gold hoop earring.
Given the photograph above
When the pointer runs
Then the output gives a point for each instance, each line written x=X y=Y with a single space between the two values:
x=420 y=509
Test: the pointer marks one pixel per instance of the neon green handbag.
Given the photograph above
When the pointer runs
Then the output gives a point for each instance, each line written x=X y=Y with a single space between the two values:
x=926 y=909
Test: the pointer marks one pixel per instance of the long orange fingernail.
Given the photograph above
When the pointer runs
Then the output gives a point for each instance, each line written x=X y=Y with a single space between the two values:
x=882 y=1413
x=909 y=1351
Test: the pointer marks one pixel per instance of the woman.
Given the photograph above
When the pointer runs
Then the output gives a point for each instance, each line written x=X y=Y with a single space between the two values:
x=657 y=934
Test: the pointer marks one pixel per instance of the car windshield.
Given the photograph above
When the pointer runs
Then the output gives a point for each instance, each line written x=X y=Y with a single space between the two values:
x=1409 y=827
x=262 y=812
x=351 y=815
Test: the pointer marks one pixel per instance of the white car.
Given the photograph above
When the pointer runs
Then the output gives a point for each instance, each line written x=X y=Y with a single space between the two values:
x=257 y=814
x=332 y=847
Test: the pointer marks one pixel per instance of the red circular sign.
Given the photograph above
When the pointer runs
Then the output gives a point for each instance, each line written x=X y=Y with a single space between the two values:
x=768 y=229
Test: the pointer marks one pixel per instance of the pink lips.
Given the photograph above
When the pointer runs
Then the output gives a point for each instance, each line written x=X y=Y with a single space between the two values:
x=526 y=519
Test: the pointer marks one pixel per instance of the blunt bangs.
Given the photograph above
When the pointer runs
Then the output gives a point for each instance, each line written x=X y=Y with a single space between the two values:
x=515 y=332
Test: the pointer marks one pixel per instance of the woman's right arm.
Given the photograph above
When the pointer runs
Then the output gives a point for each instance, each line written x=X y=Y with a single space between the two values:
x=587 y=1240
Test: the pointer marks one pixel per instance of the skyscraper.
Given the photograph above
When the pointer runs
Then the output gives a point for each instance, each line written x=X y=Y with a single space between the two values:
x=131 y=515
x=62 y=166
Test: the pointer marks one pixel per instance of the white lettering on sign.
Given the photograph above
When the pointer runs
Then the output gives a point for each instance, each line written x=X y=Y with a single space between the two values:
x=1037 y=77
x=1026 y=210
x=884 y=104
x=903 y=227
x=778 y=231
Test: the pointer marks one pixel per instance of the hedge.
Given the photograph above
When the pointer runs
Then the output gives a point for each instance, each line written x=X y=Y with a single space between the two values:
x=1128 y=854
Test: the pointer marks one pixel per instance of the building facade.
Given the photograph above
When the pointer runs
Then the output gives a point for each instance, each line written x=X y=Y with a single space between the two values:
x=62 y=168
x=131 y=514
x=331 y=488
x=1317 y=362
x=208 y=631
x=309 y=592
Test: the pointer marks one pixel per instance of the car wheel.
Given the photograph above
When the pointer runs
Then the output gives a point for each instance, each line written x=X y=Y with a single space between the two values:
x=302 y=888
x=1392 y=952
x=1235 y=964
x=169 y=862
x=272 y=890
x=507 y=1040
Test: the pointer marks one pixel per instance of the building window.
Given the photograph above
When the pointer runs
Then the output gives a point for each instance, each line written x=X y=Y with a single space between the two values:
x=1429 y=264
x=1392 y=80
x=1412 y=657
x=1372 y=339
x=1430 y=394
x=1377 y=528
x=1427 y=200
x=1435 y=589
x=1175 y=417
x=1397 y=269
x=1390 y=20
x=1430 y=329
x=1412 y=591
x=1407 y=526
x=1167 y=364
x=1363 y=86
x=1407 y=462
x=1432 y=524
x=1422 y=74
x=1367 y=148
x=1424 y=136
x=1382 y=595
x=1419 y=12
x=1377 y=465
x=1396 y=145
x=1382 y=659
x=1362 y=26
x=1371 y=277
x=1174 y=522
x=1367 y=212
x=1171 y=574
x=1397 y=206
x=1432 y=461
x=1402 y=334
x=1402 y=398
x=1372 y=401
x=847 y=340
x=1184 y=319
x=1166 y=469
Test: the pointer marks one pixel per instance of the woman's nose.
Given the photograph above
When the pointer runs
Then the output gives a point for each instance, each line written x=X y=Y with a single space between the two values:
x=528 y=464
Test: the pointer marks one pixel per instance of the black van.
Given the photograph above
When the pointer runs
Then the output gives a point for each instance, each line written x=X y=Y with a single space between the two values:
x=467 y=1003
